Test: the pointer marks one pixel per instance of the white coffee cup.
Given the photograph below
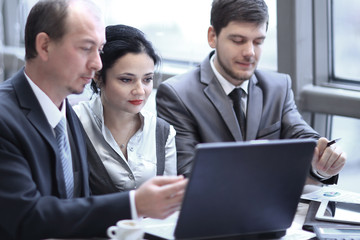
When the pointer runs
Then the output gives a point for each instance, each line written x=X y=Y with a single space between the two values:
x=126 y=230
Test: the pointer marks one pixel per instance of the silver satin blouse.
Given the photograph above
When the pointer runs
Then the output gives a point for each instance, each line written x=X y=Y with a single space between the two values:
x=141 y=148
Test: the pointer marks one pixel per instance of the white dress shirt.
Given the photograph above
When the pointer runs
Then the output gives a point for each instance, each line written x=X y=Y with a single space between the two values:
x=51 y=111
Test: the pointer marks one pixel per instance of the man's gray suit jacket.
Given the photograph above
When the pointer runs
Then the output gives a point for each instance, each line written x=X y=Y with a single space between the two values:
x=197 y=106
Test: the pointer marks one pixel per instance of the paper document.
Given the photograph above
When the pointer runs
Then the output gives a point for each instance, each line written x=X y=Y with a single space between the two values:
x=333 y=194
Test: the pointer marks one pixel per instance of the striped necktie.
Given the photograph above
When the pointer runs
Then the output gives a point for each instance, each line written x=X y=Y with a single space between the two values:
x=65 y=156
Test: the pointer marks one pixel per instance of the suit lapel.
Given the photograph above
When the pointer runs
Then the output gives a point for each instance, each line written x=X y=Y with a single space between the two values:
x=33 y=111
x=255 y=103
x=217 y=96
x=79 y=142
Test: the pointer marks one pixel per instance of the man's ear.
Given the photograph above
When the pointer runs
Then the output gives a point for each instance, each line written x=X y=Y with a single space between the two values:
x=212 y=37
x=42 y=42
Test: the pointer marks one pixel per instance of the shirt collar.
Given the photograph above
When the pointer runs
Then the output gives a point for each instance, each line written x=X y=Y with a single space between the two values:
x=52 y=113
x=97 y=108
x=225 y=84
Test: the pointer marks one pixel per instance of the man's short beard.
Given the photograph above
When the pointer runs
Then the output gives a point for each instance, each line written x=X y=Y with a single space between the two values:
x=75 y=91
x=232 y=74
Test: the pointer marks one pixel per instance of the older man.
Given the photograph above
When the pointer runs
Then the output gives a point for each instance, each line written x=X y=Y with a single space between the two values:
x=44 y=189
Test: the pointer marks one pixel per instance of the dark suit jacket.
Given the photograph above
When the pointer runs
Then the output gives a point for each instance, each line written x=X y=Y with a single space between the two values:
x=32 y=191
x=197 y=106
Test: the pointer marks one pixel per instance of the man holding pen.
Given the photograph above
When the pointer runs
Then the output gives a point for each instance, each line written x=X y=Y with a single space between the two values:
x=226 y=98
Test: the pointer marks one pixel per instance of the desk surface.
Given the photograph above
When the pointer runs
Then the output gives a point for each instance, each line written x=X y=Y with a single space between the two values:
x=295 y=232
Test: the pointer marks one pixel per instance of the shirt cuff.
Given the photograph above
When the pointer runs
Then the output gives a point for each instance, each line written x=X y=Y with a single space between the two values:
x=318 y=175
x=134 y=214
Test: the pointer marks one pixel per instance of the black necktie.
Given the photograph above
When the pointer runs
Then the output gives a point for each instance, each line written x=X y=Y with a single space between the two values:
x=235 y=96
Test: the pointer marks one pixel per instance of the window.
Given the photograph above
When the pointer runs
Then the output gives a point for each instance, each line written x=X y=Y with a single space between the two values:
x=346 y=39
x=178 y=29
x=345 y=61
x=347 y=129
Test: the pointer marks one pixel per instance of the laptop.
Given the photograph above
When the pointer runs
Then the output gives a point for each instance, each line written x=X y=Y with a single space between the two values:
x=240 y=190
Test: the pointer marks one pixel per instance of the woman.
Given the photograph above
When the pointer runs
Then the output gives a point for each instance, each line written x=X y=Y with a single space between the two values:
x=126 y=144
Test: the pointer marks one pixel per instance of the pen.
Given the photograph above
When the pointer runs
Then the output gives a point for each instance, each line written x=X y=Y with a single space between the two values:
x=332 y=142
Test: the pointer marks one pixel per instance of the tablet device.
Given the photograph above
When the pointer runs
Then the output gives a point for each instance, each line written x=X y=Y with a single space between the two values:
x=344 y=212
x=343 y=233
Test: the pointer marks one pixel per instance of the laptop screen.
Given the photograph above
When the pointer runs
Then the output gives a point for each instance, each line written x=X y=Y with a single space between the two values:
x=244 y=188
x=247 y=189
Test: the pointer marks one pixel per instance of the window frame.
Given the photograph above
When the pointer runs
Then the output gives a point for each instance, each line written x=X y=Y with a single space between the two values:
x=302 y=26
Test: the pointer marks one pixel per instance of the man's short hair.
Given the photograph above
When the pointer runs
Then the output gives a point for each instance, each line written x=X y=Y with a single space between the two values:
x=225 y=11
x=48 y=16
